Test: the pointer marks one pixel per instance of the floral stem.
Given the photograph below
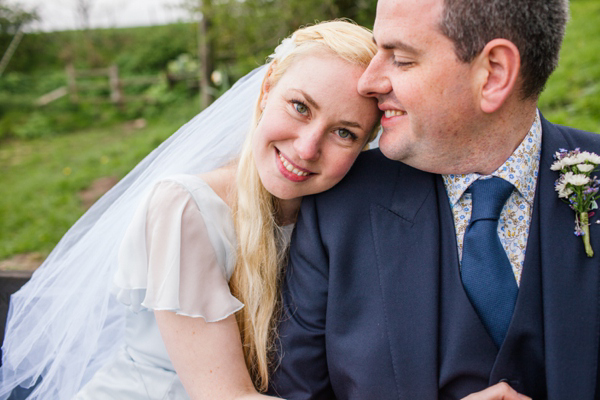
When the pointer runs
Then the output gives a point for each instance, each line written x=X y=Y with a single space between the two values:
x=585 y=226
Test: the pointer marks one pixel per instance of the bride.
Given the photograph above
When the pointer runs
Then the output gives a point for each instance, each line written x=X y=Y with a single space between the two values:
x=168 y=287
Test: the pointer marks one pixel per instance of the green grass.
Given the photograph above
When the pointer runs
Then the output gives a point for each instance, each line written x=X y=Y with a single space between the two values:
x=572 y=96
x=41 y=178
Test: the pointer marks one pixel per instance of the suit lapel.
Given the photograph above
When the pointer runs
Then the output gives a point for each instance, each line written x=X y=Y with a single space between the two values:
x=569 y=284
x=406 y=240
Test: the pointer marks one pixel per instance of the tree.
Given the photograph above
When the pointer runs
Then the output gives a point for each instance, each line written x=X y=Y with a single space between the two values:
x=202 y=11
x=84 y=8
x=237 y=35
x=13 y=17
x=12 y=21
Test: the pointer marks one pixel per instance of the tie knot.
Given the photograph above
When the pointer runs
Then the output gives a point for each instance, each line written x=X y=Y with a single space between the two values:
x=488 y=197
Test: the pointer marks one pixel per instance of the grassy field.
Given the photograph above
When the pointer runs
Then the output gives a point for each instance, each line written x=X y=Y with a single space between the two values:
x=572 y=96
x=42 y=179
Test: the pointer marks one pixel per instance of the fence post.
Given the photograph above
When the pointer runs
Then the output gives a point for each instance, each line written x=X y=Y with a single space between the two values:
x=116 y=95
x=72 y=83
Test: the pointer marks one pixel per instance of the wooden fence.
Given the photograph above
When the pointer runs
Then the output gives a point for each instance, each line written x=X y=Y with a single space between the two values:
x=80 y=81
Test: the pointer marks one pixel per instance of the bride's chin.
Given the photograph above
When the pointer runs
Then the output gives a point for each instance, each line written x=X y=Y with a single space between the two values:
x=281 y=192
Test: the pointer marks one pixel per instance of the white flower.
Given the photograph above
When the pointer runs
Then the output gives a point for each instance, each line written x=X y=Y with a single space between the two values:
x=577 y=180
x=565 y=193
x=561 y=187
x=574 y=159
x=585 y=167
x=591 y=157
x=566 y=176
x=284 y=49
x=557 y=165
x=560 y=184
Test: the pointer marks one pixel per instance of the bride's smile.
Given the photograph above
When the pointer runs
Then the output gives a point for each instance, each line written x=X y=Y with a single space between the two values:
x=313 y=126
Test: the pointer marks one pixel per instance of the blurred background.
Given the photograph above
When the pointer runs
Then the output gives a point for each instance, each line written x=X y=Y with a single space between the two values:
x=89 y=87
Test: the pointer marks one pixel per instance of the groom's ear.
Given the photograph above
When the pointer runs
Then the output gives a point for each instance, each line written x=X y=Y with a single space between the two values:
x=498 y=67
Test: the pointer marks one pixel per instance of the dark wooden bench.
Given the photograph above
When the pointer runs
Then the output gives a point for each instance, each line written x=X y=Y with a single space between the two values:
x=10 y=282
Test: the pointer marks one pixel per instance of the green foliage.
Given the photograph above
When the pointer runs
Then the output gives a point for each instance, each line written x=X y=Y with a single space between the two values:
x=183 y=65
x=134 y=50
x=20 y=118
x=149 y=49
x=572 y=96
x=36 y=125
x=36 y=51
x=14 y=15
x=41 y=178
x=23 y=120
x=244 y=33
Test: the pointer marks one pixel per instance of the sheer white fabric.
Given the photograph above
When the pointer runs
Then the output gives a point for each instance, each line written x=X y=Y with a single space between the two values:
x=65 y=322
x=136 y=380
x=179 y=252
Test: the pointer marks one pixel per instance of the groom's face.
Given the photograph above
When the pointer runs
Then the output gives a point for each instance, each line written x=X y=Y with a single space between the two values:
x=427 y=94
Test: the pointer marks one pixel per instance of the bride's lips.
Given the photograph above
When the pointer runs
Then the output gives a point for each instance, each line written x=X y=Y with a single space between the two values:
x=290 y=170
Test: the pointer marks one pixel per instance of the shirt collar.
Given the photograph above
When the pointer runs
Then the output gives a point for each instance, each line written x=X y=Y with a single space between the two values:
x=520 y=169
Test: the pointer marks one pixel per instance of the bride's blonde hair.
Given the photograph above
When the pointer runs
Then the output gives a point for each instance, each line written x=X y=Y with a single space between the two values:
x=256 y=279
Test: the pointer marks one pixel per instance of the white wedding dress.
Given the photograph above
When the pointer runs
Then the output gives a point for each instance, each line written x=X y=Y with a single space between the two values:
x=178 y=255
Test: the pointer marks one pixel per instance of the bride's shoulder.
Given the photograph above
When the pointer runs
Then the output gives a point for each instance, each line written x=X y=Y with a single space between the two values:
x=222 y=182
x=207 y=190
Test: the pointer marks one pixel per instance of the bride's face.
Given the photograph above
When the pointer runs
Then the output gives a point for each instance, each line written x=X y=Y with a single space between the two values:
x=314 y=125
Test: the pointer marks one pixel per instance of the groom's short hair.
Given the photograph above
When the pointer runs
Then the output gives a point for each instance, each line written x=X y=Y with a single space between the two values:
x=536 y=27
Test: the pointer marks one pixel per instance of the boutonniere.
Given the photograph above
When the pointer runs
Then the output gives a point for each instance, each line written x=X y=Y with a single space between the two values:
x=577 y=188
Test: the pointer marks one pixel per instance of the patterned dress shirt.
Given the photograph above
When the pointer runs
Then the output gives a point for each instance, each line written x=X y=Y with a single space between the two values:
x=520 y=169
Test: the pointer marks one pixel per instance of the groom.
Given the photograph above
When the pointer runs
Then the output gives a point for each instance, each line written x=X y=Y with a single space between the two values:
x=422 y=277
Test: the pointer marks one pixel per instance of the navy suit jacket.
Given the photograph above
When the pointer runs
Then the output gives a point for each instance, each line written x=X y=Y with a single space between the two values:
x=362 y=284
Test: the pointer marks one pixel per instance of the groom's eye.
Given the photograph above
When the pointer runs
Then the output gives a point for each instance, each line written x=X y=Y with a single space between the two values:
x=398 y=63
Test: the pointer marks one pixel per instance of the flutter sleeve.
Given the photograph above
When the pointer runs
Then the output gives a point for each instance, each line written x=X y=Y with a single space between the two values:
x=179 y=252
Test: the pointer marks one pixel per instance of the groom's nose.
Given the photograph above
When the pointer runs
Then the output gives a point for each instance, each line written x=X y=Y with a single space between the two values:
x=374 y=80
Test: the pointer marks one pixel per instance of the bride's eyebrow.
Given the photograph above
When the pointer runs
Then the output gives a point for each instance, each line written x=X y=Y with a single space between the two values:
x=351 y=124
x=309 y=99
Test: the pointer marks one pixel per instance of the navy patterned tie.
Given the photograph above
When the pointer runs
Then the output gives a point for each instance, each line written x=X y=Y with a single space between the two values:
x=486 y=272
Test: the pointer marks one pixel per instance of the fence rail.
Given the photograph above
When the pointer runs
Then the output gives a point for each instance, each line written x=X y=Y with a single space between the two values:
x=80 y=82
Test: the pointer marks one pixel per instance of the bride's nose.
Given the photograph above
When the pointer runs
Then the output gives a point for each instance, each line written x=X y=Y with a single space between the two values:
x=308 y=143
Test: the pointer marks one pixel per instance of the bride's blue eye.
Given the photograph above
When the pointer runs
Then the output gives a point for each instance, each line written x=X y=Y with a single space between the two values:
x=300 y=107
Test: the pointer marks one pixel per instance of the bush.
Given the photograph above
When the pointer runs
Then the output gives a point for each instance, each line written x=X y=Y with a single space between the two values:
x=35 y=126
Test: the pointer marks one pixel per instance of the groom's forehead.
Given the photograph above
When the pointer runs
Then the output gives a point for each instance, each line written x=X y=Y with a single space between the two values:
x=415 y=10
x=405 y=16
x=407 y=25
